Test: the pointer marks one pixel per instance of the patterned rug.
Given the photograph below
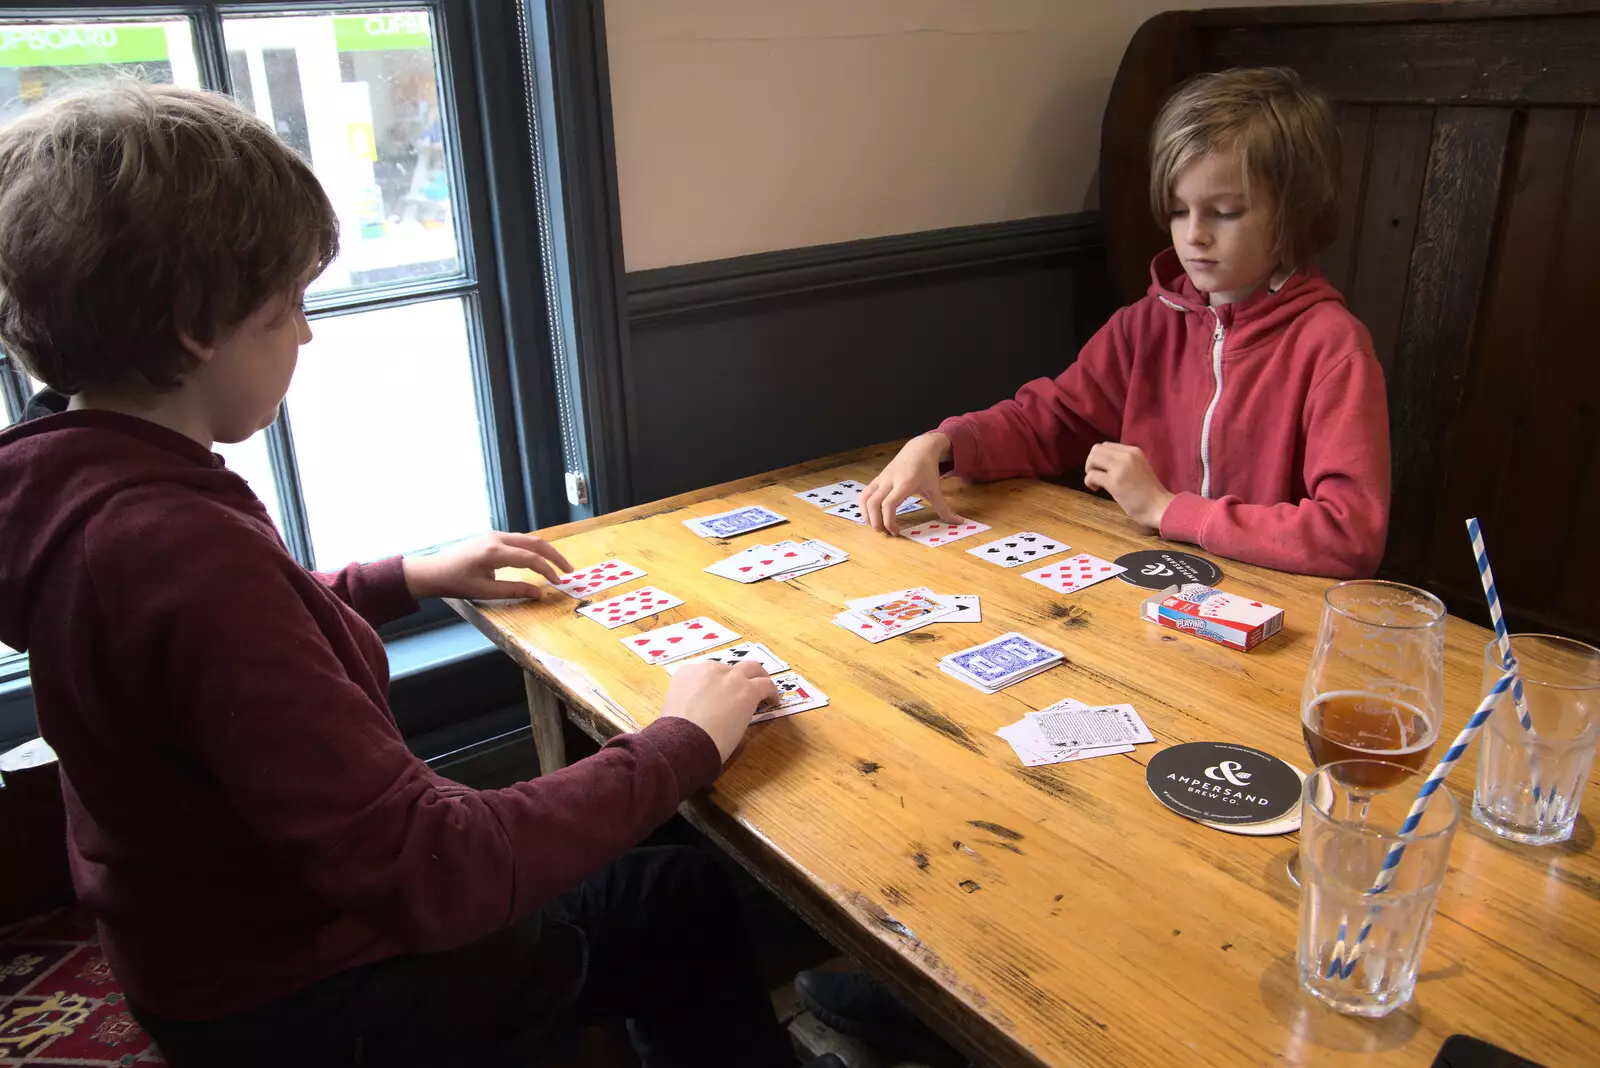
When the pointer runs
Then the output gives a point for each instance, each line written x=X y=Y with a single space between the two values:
x=59 y=1004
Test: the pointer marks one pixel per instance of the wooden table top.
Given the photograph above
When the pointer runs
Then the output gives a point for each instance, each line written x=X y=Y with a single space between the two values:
x=1058 y=915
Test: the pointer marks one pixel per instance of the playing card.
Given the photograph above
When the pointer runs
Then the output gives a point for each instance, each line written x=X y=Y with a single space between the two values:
x=1033 y=750
x=938 y=532
x=852 y=511
x=1079 y=728
x=795 y=694
x=842 y=492
x=1004 y=660
x=615 y=611
x=907 y=610
x=764 y=561
x=969 y=609
x=666 y=644
x=732 y=523
x=829 y=554
x=1077 y=573
x=592 y=580
x=873 y=632
x=910 y=592
x=984 y=688
x=1019 y=549
x=737 y=654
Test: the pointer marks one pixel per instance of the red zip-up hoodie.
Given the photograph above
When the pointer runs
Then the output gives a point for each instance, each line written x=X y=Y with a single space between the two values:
x=1266 y=417
x=243 y=815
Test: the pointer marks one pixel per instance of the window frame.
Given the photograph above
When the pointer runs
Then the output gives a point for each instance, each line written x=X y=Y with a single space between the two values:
x=503 y=249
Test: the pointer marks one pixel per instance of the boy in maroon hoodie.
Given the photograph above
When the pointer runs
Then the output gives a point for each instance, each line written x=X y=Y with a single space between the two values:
x=1237 y=406
x=277 y=879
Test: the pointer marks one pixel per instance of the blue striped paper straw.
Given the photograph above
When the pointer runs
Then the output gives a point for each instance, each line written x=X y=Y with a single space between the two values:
x=1492 y=594
x=1343 y=963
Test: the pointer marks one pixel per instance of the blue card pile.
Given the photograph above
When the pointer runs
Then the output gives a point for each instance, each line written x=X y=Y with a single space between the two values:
x=998 y=663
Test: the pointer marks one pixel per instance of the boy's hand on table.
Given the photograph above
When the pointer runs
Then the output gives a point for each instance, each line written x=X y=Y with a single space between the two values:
x=719 y=699
x=1125 y=473
x=913 y=471
x=467 y=569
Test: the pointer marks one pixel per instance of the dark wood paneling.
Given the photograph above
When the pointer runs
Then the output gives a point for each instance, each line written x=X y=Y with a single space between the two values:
x=1525 y=458
x=1355 y=135
x=1528 y=61
x=762 y=361
x=1449 y=263
x=1386 y=222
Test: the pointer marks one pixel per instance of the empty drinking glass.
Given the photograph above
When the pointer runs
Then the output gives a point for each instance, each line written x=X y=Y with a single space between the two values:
x=1529 y=785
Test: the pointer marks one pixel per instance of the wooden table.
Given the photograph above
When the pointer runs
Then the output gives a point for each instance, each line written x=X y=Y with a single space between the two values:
x=1056 y=915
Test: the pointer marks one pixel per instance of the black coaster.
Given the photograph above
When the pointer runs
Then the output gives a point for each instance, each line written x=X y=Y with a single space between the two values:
x=1220 y=782
x=1156 y=569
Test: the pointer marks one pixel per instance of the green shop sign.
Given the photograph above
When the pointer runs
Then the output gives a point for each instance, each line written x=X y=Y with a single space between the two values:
x=382 y=32
x=51 y=45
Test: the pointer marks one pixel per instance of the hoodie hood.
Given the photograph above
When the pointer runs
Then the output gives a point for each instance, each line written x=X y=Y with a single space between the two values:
x=1257 y=317
x=58 y=471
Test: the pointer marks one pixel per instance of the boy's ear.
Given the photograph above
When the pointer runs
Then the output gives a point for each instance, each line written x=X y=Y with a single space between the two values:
x=192 y=345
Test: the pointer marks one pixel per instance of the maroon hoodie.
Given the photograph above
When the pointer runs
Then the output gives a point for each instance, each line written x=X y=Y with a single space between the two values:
x=1266 y=417
x=243 y=816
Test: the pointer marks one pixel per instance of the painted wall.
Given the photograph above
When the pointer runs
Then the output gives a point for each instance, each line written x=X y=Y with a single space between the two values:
x=751 y=125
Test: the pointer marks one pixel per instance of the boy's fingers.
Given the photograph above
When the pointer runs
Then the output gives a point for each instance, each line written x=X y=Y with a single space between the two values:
x=941 y=507
x=870 y=501
x=886 y=513
x=542 y=547
x=511 y=556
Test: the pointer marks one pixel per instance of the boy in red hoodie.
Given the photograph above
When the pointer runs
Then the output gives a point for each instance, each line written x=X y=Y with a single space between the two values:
x=1237 y=406
x=277 y=879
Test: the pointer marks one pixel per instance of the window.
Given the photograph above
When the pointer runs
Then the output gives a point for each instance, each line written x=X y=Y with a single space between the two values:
x=400 y=431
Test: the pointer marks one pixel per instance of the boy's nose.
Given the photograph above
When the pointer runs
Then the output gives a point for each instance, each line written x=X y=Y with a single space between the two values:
x=1198 y=235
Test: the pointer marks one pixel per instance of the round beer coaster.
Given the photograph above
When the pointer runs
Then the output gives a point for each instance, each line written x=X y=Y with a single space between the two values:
x=1156 y=569
x=1219 y=782
x=1281 y=825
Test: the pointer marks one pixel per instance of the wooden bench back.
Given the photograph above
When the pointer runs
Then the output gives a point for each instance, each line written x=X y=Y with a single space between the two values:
x=1469 y=233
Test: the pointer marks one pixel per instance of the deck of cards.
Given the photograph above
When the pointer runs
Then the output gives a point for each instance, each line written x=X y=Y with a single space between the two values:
x=1229 y=619
x=1001 y=662
x=732 y=523
x=885 y=615
x=783 y=560
x=1071 y=730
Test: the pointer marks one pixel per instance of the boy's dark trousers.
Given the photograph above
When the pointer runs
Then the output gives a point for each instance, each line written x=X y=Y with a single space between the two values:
x=656 y=938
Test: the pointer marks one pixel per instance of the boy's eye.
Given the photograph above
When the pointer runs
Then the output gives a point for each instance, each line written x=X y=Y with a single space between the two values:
x=1179 y=213
x=1229 y=214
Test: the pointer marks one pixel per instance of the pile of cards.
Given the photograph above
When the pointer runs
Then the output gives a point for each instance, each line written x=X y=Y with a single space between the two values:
x=887 y=614
x=842 y=499
x=1000 y=662
x=755 y=652
x=1071 y=730
x=732 y=523
x=783 y=561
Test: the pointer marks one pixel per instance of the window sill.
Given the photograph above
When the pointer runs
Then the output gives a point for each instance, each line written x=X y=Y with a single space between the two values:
x=413 y=658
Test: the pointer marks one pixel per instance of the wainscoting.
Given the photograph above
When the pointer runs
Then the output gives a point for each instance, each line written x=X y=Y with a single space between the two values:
x=741 y=365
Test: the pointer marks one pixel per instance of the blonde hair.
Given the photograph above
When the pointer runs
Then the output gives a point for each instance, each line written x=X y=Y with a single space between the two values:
x=129 y=212
x=1286 y=138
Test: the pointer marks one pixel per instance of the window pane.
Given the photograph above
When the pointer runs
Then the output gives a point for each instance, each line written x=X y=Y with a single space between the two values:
x=386 y=432
x=250 y=460
x=359 y=96
x=38 y=58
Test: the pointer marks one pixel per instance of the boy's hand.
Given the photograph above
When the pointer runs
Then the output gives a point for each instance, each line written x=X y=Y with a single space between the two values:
x=914 y=470
x=1125 y=473
x=719 y=699
x=467 y=569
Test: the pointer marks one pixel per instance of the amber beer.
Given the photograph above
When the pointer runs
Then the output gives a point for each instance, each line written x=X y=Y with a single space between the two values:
x=1353 y=725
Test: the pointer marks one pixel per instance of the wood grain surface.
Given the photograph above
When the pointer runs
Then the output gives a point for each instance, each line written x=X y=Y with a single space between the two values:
x=1057 y=915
